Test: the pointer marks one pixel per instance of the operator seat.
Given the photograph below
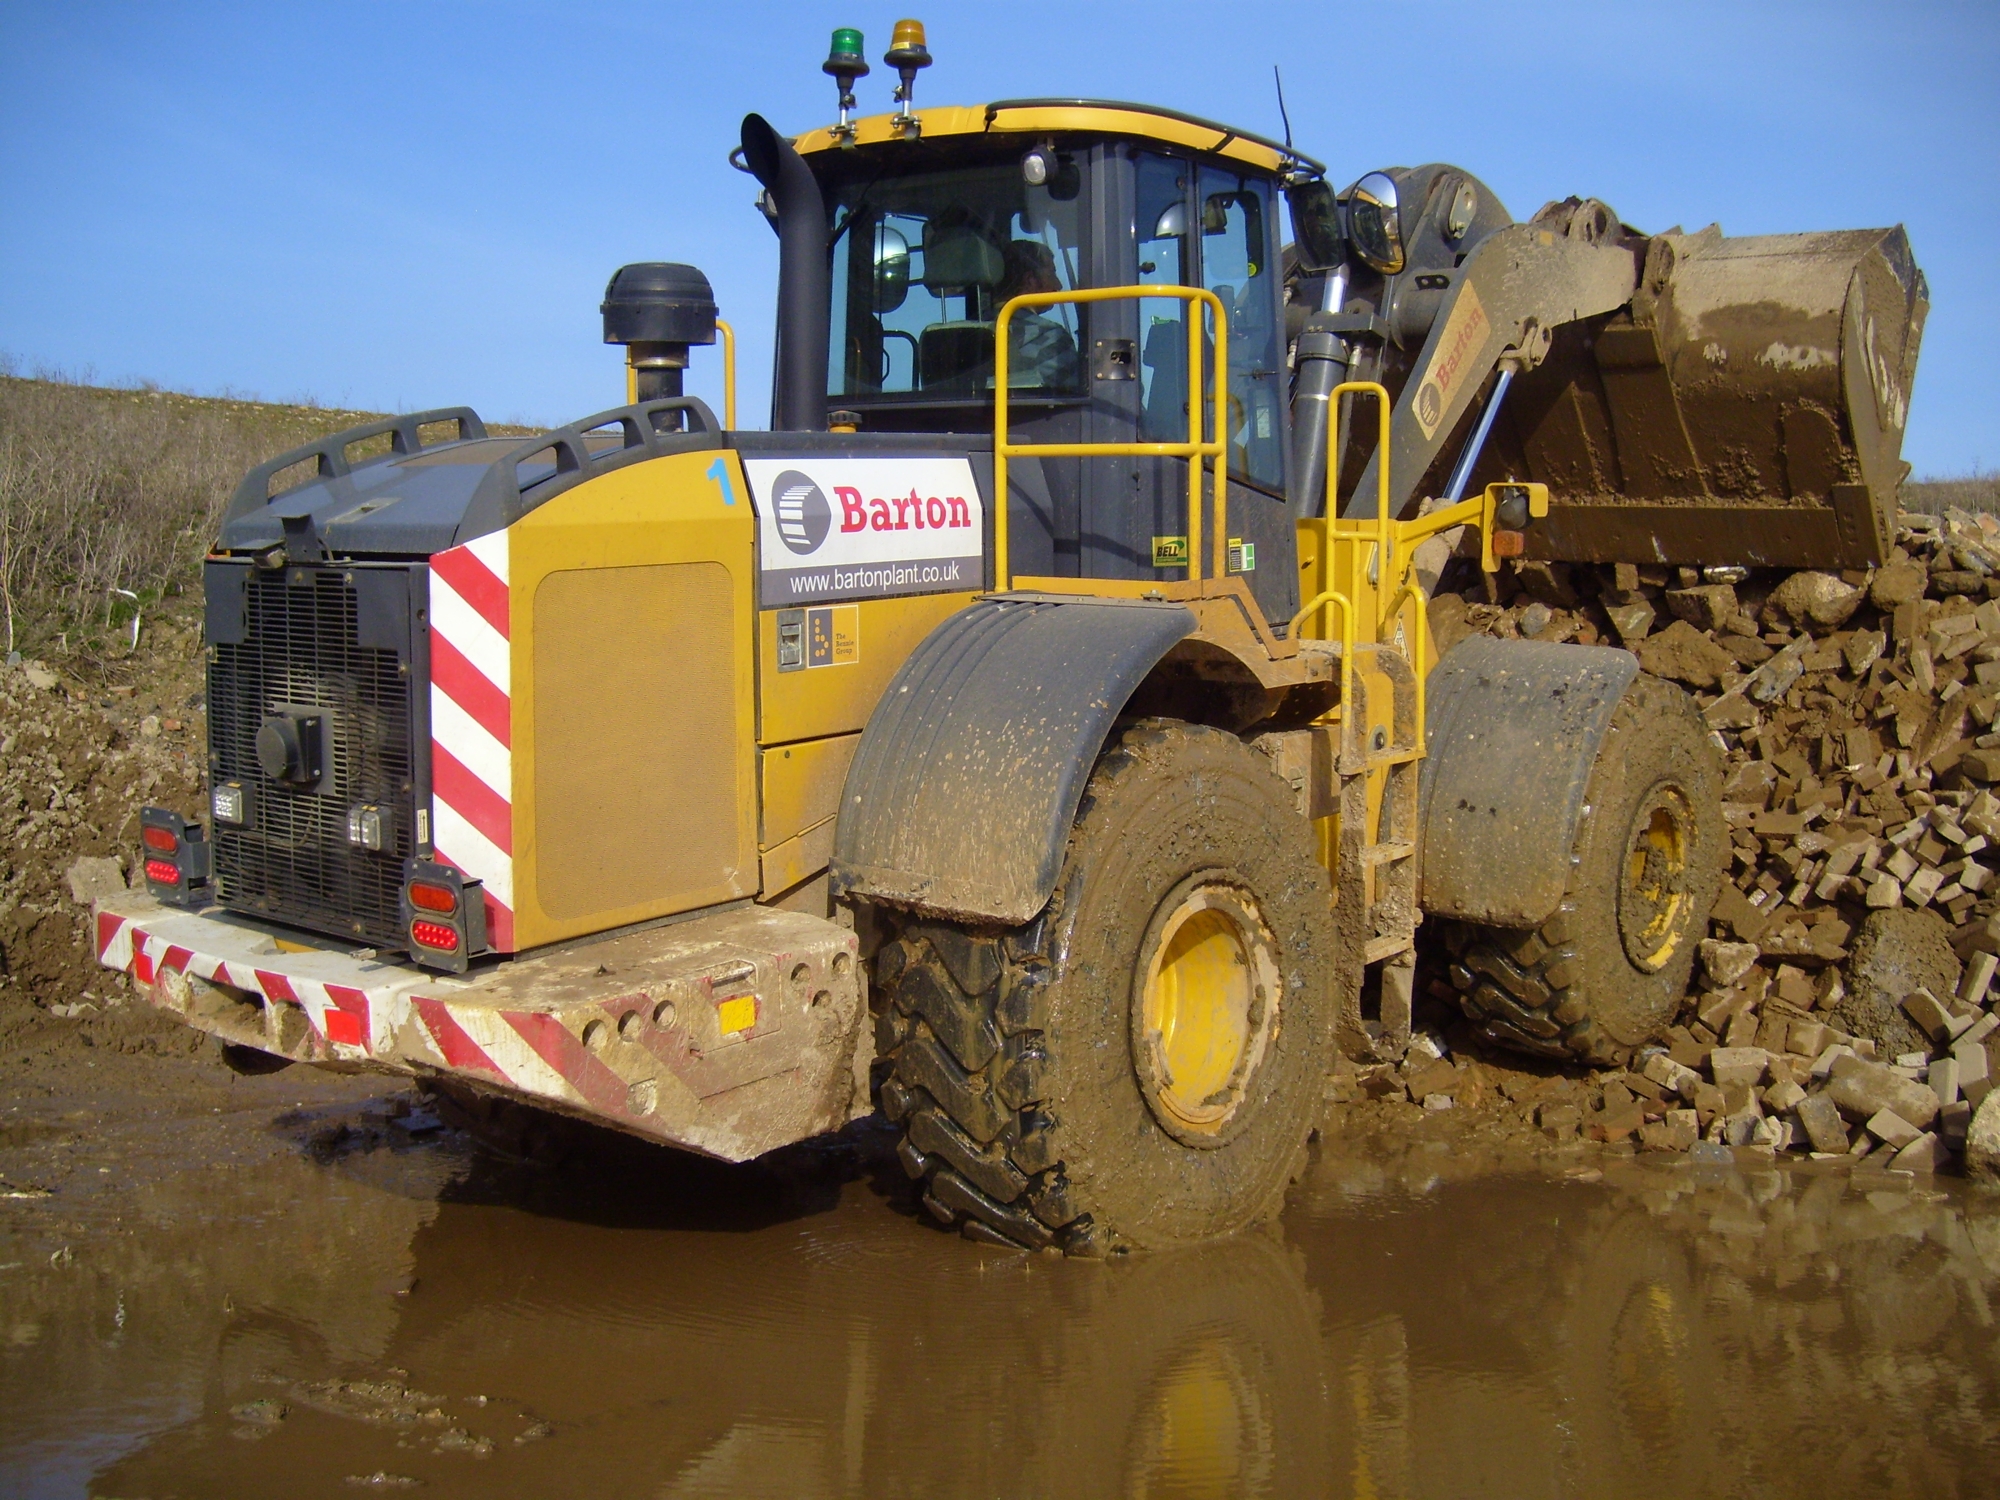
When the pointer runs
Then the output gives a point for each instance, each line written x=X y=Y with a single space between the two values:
x=958 y=258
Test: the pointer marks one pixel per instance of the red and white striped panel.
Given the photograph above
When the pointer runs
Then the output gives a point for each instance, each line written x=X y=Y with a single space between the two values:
x=472 y=758
x=356 y=1020
x=363 y=1008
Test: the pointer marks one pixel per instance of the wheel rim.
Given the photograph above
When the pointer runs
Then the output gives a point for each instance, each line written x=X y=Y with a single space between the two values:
x=1655 y=888
x=1208 y=1006
x=1205 y=1432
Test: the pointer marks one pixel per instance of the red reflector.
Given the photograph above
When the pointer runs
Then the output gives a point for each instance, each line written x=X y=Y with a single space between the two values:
x=1509 y=543
x=433 y=897
x=161 y=839
x=434 y=935
x=164 y=871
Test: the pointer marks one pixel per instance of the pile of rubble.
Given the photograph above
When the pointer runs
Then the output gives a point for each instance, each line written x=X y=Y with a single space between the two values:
x=83 y=744
x=1845 y=996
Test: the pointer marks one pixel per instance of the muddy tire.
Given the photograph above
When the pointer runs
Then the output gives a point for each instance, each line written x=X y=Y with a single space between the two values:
x=1141 y=1064
x=1602 y=975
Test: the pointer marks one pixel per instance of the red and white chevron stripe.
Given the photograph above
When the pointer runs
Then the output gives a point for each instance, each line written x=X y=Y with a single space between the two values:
x=676 y=1077
x=351 y=1018
x=472 y=759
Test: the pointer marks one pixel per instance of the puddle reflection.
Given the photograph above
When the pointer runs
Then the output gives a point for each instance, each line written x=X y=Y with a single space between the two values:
x=1420 y=1326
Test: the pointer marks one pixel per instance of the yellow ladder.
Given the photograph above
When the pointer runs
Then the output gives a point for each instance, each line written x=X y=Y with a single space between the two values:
x=1381 y=745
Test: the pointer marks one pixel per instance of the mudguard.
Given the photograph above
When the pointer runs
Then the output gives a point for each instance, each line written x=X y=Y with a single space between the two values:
x=960 y=799
x=1513 y=729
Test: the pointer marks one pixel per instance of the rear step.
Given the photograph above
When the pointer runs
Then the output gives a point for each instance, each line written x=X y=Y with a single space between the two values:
x=730 y=1034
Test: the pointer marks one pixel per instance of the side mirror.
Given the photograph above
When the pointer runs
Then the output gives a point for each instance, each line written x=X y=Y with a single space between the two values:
x=1374 y=220
x=1315 y=227
x=892 y=268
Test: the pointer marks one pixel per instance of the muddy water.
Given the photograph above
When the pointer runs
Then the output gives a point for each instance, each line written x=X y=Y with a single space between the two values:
x=351 y=1308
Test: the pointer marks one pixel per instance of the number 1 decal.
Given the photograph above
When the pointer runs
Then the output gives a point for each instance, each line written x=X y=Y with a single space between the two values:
x=719 y=472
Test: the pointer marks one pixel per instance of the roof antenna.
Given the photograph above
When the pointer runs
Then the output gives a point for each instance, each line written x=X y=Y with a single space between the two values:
x=1279 y=79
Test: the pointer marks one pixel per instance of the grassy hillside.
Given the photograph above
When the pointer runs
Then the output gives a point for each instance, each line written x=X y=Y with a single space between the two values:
x=115 y=489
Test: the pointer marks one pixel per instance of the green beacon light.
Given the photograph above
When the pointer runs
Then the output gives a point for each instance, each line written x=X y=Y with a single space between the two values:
x=845 y=62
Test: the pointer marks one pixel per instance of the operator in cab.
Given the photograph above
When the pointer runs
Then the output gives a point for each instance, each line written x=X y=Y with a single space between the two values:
x=1041 y=355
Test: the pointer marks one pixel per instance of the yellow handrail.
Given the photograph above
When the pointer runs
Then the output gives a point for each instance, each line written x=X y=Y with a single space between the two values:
x=1411 y=590
x=1388 y=582
x=728 y=374
x=1318 y=602
x=1194 y=449
x=1385 y=542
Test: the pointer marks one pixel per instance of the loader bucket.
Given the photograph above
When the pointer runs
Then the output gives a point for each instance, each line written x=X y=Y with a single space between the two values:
x=1746 y=407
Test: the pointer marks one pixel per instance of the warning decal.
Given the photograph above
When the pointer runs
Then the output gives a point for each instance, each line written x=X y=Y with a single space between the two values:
x=865 y=528
x=1458 y=350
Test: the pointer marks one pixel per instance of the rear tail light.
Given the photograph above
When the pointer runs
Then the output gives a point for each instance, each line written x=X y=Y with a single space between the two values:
x=177 y=858
x=433 y=897
x=444 y=915
x=435 y=935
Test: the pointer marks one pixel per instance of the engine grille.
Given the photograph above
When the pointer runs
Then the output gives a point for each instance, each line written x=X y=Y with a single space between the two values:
x=301 y=650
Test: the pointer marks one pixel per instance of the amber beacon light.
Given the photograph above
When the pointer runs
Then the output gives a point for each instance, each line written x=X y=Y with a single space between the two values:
x=907 y=54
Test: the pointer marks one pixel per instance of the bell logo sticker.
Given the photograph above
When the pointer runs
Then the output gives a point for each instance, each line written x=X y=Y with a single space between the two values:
x=802 y=512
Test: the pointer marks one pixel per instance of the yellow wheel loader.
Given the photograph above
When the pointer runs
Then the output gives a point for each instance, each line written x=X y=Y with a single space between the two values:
x=1036 y=734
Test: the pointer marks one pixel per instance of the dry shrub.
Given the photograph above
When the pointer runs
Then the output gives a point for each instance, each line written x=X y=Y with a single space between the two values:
x=1977 y=493
x=104 y=490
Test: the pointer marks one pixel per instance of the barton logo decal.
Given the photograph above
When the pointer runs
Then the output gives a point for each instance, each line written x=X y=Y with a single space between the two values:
x=840 y=526
x=802 y=512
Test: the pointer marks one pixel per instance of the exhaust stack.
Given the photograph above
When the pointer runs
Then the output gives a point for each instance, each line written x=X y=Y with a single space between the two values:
x=805 y=279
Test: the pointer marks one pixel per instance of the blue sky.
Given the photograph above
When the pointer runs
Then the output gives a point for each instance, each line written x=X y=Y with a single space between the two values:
x=407 y=205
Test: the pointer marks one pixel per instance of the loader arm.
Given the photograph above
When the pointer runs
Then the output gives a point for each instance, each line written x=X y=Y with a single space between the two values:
x=1515 y=288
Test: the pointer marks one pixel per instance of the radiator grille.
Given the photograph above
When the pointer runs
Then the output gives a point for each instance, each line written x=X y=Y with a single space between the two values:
x=301 y=650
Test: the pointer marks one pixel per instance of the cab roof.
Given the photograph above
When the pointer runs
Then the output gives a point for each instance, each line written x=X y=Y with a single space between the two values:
x=1099 y=116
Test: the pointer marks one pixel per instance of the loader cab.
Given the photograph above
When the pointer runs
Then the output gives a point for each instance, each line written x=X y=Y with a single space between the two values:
x=932 y=232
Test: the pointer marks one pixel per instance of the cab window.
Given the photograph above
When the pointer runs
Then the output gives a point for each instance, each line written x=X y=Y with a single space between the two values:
x=922 y=266
x=1215 y=225
x=1236 y=266
x=1166 y=258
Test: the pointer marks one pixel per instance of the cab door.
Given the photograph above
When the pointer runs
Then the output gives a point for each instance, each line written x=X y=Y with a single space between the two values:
x=1210 y=225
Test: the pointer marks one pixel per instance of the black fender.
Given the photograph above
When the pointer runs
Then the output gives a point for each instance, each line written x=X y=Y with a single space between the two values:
x=1512 y=731
x=960 y=798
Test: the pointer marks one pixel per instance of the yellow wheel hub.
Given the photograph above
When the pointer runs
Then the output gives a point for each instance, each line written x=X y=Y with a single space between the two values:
x=1207 y=1010
x=1205 y=1432
x=1655 y=899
